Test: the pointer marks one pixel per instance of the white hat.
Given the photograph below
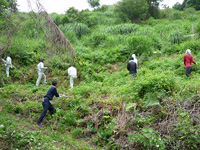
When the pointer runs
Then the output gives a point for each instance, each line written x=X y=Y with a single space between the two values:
x=188 y=51
x=134 y=56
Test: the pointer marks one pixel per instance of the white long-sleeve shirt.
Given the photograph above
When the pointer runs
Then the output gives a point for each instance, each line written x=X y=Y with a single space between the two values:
x=72 y=71
x=8 y=61
x=41 y=67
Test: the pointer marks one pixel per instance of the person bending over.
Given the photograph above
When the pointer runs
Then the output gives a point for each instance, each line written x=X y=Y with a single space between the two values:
x=46 y=104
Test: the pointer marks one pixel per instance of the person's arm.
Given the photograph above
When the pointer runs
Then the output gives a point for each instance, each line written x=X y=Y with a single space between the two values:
x=184 y=60
x=55 y=92
x=42 y=66
x=135 y=67
x=193 y=61
x=69 y=71
x=3 y=60
x=128 y=67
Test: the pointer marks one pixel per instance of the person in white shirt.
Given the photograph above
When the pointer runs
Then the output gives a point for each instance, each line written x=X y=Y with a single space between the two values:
x=41 y=74
x=72 y=72
x=8 y=64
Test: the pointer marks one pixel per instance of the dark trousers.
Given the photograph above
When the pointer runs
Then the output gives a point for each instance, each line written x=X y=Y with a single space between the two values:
x=46 y=106
x=133 y=75
x=188 y=71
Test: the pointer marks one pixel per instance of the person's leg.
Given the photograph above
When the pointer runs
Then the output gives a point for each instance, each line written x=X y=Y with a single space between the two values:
x=45 y=109
x=74 y=77
x=44 y=77
x=71 y=81
x=190 y=70
x=39 y=78
x=7 y=71
x=52 y=109
x=187 y=71
x=132 y=76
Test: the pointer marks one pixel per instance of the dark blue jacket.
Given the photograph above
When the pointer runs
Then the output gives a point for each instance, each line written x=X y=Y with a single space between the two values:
x=132 y=67
x=51 y=92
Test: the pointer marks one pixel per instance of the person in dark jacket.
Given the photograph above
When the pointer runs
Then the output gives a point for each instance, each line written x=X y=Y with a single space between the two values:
x=132 y=67
x=46 y=104
x=188 y=60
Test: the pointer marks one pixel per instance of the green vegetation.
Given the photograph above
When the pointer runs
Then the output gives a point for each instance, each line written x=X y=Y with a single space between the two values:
x=159 y=109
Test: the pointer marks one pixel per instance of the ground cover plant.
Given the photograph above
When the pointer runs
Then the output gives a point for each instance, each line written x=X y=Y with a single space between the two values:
x=159 y=109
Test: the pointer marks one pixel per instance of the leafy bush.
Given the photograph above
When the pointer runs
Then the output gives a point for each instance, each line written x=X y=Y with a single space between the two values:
x=165 y=13
x=149 y=138
x=140 y=45
x=103 y=136
x=79 y=28
x=198 y=28
x=148 y=87
x=71 y=36
x=190 y=14
x=57 y=62
x=176 y=15
x=185 y=131
x=176 y=37
x=97 y=38
x=194 y=46
x=121 y=29
x=168 y=48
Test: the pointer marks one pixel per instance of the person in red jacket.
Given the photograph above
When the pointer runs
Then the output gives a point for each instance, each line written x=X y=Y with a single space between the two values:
x=188 y=60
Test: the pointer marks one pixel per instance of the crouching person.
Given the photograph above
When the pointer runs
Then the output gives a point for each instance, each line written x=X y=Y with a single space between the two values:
x=46 y=104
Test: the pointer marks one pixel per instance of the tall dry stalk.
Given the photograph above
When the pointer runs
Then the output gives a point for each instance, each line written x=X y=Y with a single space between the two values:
x=57 y=40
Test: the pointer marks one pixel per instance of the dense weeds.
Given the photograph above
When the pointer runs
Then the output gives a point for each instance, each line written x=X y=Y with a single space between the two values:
x=159 y=109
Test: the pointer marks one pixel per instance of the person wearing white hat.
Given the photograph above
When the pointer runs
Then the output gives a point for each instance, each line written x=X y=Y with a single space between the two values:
x=188 y=60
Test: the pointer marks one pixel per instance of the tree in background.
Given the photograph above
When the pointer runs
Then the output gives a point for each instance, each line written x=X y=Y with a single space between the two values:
x=72 y=14
x=94 y=3
x=133 y=9
x=187 y=4
x=178 y=6
x=8 y=4
x=12 y=5
x=153 y=9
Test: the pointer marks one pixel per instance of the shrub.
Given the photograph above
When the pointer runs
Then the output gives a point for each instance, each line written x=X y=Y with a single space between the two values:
x=176 y=37
x=97 y=38
x=176 y=15
x=148 y=87
x=193 y=45
x=149 y=139
x=71 y=36
x=103 y=136
x=165 y=13
x=57 y=62
x=122 y=29
x=140 y=45
x=79 y=28
x=186 y=135
x=197 y=29
x=168 y=48
x=190 y=14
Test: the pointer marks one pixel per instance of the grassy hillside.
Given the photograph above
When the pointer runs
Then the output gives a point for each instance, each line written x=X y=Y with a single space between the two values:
x=159 y=109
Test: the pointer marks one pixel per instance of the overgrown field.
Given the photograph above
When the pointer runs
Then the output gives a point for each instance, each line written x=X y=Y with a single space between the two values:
x=159 y=109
